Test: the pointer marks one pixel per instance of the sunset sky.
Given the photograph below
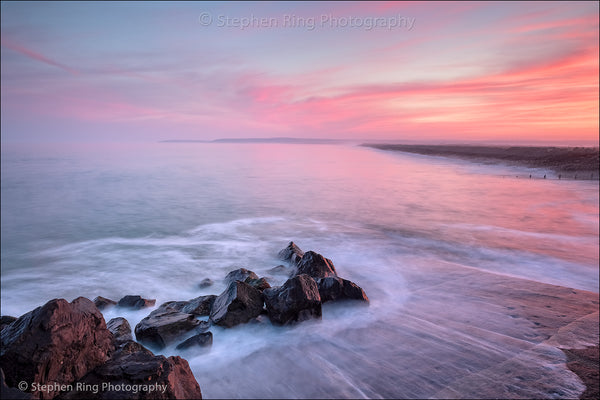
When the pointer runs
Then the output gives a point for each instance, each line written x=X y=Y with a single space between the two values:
x=118 y=71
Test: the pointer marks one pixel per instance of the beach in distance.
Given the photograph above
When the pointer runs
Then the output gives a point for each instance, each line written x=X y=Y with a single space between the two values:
x=570 y=162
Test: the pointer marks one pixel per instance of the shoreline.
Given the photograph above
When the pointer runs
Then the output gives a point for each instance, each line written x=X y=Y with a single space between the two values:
x=578 y=163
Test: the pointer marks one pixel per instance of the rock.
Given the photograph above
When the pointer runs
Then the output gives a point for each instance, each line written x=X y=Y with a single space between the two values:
x=239 y=275
x=204 y=283
x=200 y=306
x=291 y=253
x=297 y=300
x=316 y=266
x=200 y=340
x=280 y=269
x=103 y=302
x=335 y=288
x=260 y=284
x=56 y=343
x=136 y=302
x=11 y=393
x=6 y=320
x=238 y=304
x=203 y=326
x=131 y=347
x=120 y=329
x=163 y=378
x=173 y=305
x=163 y=326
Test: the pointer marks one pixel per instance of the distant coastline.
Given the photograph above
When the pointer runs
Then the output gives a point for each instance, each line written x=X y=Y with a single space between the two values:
x=569 y=162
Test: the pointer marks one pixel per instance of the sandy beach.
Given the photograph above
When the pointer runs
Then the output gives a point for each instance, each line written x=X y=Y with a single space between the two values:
x=569 y=162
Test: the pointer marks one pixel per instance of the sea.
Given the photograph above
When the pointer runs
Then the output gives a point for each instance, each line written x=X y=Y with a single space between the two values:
x=155 y=219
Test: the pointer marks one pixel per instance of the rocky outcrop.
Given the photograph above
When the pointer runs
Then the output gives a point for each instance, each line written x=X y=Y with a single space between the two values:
x=204 y=339
x=67 y=349
x=297 y=300
x=291 y=253
x=120 y=329
x=135 y=302
x=58 y=342
x=103 y=302
x=163 y=326
x=155 y=377
x=238 y=304
x=315 y=265
x=334 y=288
x=240 y=274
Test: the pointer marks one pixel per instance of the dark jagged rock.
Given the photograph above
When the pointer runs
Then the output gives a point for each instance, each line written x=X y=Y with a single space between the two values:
x=133 y=364
x=238 y=304
x=6 y=320
x=335 y=288
x=200 y=306
x=260 y=284
x=200 y=340
x=120 y=329
x=291 y=253
x=11 y=393
x=316 y=266
x=136 y=302
x=58 y=342
x=163 y=326
x=205 y=283
x=239 y=274
x=297 y=300
x=103 y=302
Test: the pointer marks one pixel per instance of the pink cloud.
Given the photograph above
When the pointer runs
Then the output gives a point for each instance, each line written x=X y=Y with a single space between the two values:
x=36 y=56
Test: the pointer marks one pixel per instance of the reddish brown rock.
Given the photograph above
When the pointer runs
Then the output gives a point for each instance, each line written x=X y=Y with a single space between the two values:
x=169 y=378
x=58 y=342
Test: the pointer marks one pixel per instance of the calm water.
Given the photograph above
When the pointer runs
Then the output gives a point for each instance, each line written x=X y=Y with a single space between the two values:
x=156 y=219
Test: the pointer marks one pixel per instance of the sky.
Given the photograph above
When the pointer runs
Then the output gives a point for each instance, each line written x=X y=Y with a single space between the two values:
x=395 y=71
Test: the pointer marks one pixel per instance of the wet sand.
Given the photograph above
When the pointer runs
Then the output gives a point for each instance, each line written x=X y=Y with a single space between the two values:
x=570 y=162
